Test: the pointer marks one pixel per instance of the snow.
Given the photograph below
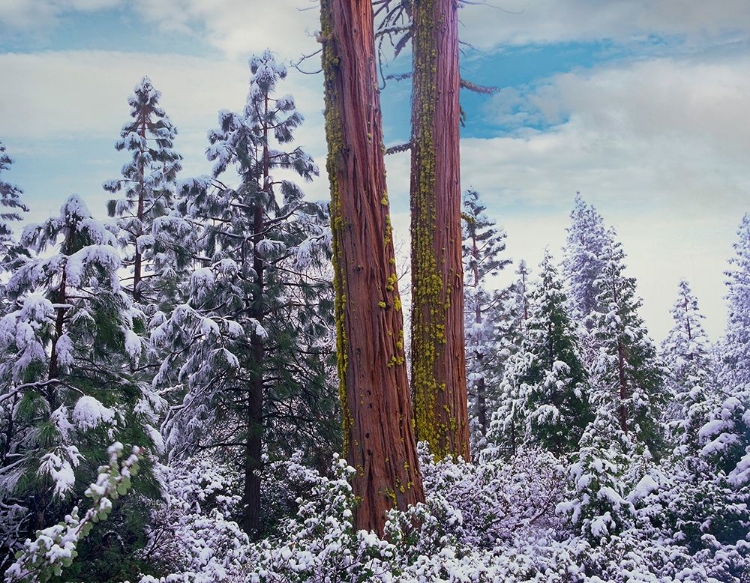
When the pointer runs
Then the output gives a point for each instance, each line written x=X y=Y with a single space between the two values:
x=58 y=464
x=89 y=413
x=645 y=486
x=133 y=345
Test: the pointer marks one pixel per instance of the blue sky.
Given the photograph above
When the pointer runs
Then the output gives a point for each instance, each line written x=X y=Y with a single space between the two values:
x=640 y=106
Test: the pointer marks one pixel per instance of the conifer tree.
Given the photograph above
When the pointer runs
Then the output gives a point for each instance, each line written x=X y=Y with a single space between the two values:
x=557 y=401
x=10 y=199
x=437 y=340
x=483 y=245
x=148 y=181
x=686 y=353
x=627 y=369
x=246 y=341
x=584 y=258
x=727 y=432
x=736 y=345
x=378 y=437
x=68 y=347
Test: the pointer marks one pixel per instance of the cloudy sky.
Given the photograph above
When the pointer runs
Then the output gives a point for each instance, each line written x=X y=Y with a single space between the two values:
x=640 y=106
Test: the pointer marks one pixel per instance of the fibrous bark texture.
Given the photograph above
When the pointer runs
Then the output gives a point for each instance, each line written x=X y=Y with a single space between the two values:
x=378 y=438
x=438 y=357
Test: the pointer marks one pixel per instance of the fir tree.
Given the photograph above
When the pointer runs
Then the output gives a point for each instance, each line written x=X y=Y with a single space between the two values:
x=10 y=199
x=686 y=353
x=557 y=405
x=627 y=370
x=584 y=258
x=736 y=344
x=483 y=245
x=148 y=181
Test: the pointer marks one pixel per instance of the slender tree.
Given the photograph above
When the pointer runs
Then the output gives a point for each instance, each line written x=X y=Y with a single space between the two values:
x=627 y=368
x=378 y=438
x=10 y=200
x=148 y=181
x=437 y=339
x=250 y=349
x=584 y=258
x=483 y=245
x=686 y=353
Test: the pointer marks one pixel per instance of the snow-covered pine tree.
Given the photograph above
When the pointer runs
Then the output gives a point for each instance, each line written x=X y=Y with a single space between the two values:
x=67 y=349
x=483 y=245
x=584 y=258
x=251 y=344
x=686 y=354
x=147 y=183
x=10 y=200
x=557 y=408
x=627 y=370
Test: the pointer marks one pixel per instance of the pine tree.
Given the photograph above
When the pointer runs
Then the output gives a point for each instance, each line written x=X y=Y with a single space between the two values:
x=148 y=181
x=686 y=353
x=68 y=347
x=627 y=369
x=378 y=438
x=437 y=339
x=247 y=342
x=10 y=199
x=483 y=245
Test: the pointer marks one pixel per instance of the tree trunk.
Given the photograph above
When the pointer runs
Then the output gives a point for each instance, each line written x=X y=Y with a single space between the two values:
x=438 y=358
x=254 y=444
x=377 y=422
x=137 y=269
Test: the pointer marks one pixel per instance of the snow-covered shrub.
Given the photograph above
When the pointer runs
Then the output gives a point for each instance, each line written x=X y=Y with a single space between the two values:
x=192 y=536
x=320 y=543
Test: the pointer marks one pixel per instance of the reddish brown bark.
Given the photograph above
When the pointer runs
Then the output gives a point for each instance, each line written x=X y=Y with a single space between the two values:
x=378 y=439
x=438 y=357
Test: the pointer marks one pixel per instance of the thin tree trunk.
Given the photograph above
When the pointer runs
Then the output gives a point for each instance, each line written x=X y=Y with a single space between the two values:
x=254 y=445
x=438 y=347
x=137 y=269
x=377 y=422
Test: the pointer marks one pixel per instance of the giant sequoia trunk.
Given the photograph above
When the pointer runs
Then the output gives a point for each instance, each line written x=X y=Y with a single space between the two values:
x=378 y=438
x=438 y=358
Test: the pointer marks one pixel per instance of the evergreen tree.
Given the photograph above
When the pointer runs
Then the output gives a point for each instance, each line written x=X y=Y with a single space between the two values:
x=250 y=342
x=584 y=258
x=727 y=433
x=10 y=199
x=627 y=370
x=686 y=354
x=68 y=347
x=557 y=405
x=736 y=344
x=483 y=245
x=148 y=182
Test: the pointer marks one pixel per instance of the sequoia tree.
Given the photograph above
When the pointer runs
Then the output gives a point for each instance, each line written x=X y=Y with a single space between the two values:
x=438 y=353
x=378 y=438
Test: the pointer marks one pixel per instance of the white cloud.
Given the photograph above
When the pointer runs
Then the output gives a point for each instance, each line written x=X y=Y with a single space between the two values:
x=502 y=23
x=659 y=146
x=240 y=27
